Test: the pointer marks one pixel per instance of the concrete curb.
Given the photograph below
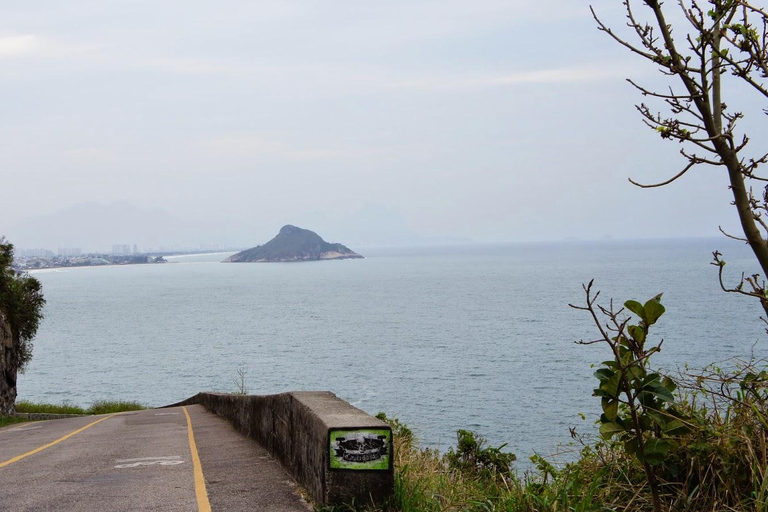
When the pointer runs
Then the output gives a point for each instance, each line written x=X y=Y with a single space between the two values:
x=304 y=430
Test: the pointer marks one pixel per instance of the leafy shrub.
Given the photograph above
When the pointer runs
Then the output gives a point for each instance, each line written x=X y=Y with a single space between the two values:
x=472 y=457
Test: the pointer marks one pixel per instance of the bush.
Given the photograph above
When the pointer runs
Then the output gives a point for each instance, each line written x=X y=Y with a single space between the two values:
x=473 y=458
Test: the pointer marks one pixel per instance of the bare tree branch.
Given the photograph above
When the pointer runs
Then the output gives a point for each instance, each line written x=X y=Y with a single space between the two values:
x=673 y=178
x=719 y=44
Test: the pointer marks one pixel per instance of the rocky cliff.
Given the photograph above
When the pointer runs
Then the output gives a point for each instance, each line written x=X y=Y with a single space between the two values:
x=7 y=371
x=294 y=244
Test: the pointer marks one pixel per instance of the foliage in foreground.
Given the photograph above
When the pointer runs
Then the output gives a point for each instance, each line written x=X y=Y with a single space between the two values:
x=689 y=442
x=21 y=301
x=98 y=407
x=720 y=465
x=21 y=309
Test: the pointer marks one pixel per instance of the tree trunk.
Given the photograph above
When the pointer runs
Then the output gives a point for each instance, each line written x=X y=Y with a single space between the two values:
x=8 y=370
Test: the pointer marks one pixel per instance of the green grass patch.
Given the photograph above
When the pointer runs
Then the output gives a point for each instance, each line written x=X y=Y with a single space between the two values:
x=105 y=407
x=99 y=407
x=10 y=420
x=42 y=408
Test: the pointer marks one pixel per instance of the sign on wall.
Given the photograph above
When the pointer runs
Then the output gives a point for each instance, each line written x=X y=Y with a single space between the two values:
x=361 y=449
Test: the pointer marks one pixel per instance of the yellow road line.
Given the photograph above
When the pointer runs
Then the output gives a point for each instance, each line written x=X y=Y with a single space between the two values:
x=203 y=505
x=37 y=450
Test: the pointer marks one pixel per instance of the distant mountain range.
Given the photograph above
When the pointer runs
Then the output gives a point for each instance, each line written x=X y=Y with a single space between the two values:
x=96 y=227
x=294 y=244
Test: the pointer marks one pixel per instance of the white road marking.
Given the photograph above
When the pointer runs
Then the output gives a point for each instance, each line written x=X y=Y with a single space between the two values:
x=149 y=461
x=20 y=429
x=167 y=413
x=170 y=457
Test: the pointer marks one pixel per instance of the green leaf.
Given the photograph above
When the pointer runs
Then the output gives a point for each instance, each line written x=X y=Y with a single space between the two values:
x=637 y=333
x=626 y=356
x=636 y=308
x=664 y=394
x=656 y=450
x=652 y=458
x=608 y=430
x=630 y=446
x=636 y=372
x=669 y=384
x=676 y=428
x=653 y=310
x=652 y=378
x=610 y=408
x=656 y=388
x=660 y=446
x=648 y=400
x=611 y=386
x=604 y=374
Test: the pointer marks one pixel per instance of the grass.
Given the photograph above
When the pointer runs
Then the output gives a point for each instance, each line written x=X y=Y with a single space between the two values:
x=37 y=407
x=109 y=407
x=99 y=407
x=10 y=420
x=721 y=465
x=426 y=481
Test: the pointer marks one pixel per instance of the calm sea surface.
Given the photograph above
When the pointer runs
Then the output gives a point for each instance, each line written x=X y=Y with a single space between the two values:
x=476 y=337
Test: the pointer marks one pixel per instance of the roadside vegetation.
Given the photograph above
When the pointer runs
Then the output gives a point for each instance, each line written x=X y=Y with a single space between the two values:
x=10 y=420
x=21 y=310
x=685 y=442
x=100 y=407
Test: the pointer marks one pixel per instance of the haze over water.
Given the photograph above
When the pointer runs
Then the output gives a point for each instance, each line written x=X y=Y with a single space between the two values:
x=477 y=337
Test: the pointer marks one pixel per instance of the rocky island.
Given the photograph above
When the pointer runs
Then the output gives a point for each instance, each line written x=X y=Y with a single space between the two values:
x=294 y=244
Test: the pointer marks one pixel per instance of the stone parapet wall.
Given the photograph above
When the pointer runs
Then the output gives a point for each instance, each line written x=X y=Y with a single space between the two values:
x=337 y=452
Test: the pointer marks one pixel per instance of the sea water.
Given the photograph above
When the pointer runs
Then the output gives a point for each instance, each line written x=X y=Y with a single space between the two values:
x=444 y=338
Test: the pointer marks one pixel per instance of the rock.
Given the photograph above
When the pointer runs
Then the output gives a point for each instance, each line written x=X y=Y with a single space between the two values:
x=7 y=369
x=294 y=244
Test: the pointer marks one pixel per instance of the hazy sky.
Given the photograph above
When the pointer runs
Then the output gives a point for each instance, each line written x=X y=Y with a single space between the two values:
x=484 y=120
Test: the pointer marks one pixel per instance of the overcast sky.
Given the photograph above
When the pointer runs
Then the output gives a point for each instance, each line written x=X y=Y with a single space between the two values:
x=487 y=120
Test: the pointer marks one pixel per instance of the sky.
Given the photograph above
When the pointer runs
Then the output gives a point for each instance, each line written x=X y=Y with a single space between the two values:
x=195 y=122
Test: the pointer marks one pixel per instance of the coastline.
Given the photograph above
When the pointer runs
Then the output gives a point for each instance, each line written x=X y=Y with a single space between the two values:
x=127 y=264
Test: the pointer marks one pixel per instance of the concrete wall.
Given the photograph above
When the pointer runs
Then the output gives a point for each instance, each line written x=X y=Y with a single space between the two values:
x=296 y=428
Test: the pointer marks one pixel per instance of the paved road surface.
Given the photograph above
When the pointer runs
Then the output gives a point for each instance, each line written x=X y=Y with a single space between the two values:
x=182 y=458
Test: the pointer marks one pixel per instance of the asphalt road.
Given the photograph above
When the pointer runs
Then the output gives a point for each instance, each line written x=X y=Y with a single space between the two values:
x=181 y=458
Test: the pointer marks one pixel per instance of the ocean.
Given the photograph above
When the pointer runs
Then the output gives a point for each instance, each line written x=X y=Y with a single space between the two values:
x=444 y=338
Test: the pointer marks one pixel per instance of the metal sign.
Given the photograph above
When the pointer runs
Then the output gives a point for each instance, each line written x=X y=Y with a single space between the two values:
x=361 y=449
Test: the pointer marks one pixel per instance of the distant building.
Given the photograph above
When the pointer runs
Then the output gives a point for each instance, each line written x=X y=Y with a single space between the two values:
x=69 y=251
x=34 y=253
x=121 y=249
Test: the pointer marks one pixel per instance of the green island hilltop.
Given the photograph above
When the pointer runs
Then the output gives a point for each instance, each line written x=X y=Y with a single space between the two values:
x=294 y=244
